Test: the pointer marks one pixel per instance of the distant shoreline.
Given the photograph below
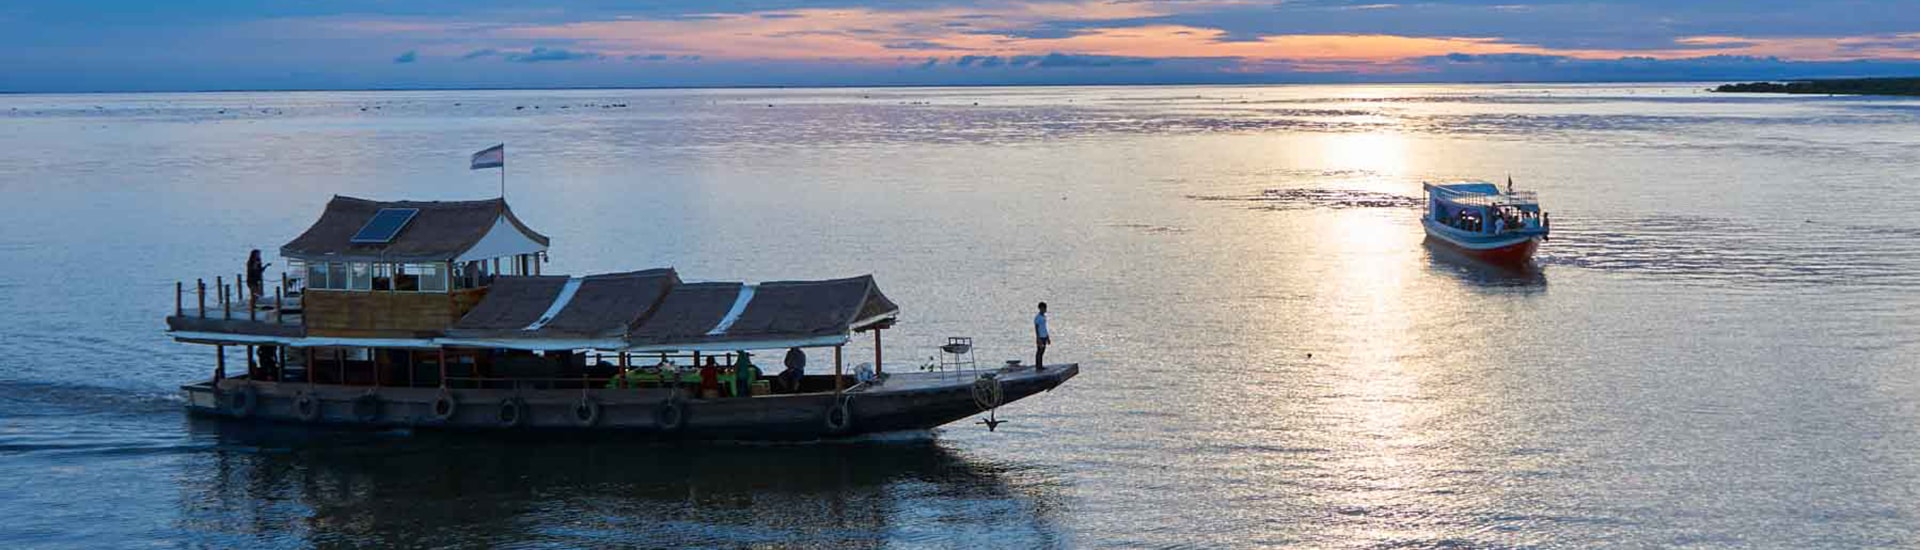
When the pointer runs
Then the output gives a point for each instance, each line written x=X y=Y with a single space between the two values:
x=1832 y=86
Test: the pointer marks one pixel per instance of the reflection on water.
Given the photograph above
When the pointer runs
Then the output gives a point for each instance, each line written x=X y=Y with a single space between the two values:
x=1449 y=261
x=283 y=486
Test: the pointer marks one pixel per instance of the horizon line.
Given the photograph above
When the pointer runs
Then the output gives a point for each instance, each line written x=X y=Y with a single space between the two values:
x=973 y=85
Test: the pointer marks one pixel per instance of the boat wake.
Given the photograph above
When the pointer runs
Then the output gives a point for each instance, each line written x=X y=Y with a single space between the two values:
x=1309 y=198
x=1730 y=251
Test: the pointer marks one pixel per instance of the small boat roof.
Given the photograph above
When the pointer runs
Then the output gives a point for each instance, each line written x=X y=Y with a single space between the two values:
x=1466 y=188
x=1481 y=193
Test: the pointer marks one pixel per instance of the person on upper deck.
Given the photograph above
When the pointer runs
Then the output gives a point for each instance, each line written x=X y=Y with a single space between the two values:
x=1042 y=338
x=256 y=272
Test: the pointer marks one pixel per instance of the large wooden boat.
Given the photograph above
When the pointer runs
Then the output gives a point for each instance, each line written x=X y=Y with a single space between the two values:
x=1479 y=221
x=435 y=315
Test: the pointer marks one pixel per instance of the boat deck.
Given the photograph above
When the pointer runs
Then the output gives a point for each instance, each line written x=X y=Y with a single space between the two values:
x=266 y=317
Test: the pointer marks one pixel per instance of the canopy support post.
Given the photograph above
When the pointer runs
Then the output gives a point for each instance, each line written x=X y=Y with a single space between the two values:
x=876 y=351
x=838 y=384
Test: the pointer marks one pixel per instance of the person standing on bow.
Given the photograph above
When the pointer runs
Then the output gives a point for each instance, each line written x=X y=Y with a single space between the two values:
x=1042 y=338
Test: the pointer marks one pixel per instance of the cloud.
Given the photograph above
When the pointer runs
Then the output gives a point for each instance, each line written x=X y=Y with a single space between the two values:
x=917 y=45
x=476 y=54
x=648 y=57
x=544 y=54
x=408 y=57
x=1054 y=60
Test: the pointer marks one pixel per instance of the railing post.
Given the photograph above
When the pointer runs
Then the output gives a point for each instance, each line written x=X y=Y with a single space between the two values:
x=219 y=363
x=178 y=289
x=443 y=368
x=310 y=365
x=201 y=286
x=226 y=301
x=252 y=304
x=279 y=305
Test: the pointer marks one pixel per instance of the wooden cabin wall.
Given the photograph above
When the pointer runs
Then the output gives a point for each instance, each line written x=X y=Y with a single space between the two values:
x=380 y=314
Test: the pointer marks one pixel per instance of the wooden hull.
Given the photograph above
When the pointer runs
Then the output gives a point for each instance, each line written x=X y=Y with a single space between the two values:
x=914 y=401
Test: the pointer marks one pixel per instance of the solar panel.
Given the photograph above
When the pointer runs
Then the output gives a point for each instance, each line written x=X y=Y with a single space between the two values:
x=385 y=224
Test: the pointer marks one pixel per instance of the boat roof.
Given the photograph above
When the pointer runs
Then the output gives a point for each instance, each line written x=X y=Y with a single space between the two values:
x=719 y=316
x=438 y=231
x=1467 y=188
x=1481 y=193
x=595 y=307
x=640 y=311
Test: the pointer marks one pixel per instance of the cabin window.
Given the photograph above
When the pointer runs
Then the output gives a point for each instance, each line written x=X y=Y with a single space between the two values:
x=317 y=275
x=359 y=276
x=337 y=275
x=425 y=277
x=383 y=277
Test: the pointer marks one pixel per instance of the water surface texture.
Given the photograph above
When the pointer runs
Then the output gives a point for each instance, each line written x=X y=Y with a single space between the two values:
x=1718 y=348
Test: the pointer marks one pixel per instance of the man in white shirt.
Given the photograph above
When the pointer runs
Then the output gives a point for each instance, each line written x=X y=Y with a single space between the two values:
x=1041 y=338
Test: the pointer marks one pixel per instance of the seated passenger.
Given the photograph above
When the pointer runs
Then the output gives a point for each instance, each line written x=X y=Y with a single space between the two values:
x=710 y=379
x=796 y=368
x=744 y=373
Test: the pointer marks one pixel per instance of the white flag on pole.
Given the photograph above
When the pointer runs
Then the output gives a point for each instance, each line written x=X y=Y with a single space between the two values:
x=491 y=157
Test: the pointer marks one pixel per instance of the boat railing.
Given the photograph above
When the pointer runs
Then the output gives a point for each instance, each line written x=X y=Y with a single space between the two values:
x=228 y=303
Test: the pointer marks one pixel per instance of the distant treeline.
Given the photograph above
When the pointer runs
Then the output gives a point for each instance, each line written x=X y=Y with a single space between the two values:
x=1856 y=86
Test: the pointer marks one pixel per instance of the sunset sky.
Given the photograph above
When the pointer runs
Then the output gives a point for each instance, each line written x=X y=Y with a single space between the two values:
x=112 y=45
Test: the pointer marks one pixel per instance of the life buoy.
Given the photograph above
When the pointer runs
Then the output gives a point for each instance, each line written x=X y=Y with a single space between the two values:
x=586 y=412
x=671 y=416
x=367 y=408
x=306 y=407
x=444 y=406
x=242 y=403
x=840 y=417
x=512 y=413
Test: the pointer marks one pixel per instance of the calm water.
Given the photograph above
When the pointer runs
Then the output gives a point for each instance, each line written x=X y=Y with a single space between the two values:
x=1717 y=350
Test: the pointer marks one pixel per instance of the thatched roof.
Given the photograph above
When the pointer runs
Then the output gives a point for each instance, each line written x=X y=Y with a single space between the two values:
x=440 y=232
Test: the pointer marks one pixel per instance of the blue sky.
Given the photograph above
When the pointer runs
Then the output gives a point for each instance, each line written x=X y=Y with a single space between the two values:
x=117 y=45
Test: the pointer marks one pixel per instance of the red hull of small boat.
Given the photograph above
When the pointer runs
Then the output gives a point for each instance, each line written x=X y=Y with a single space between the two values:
x=1511 y=255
